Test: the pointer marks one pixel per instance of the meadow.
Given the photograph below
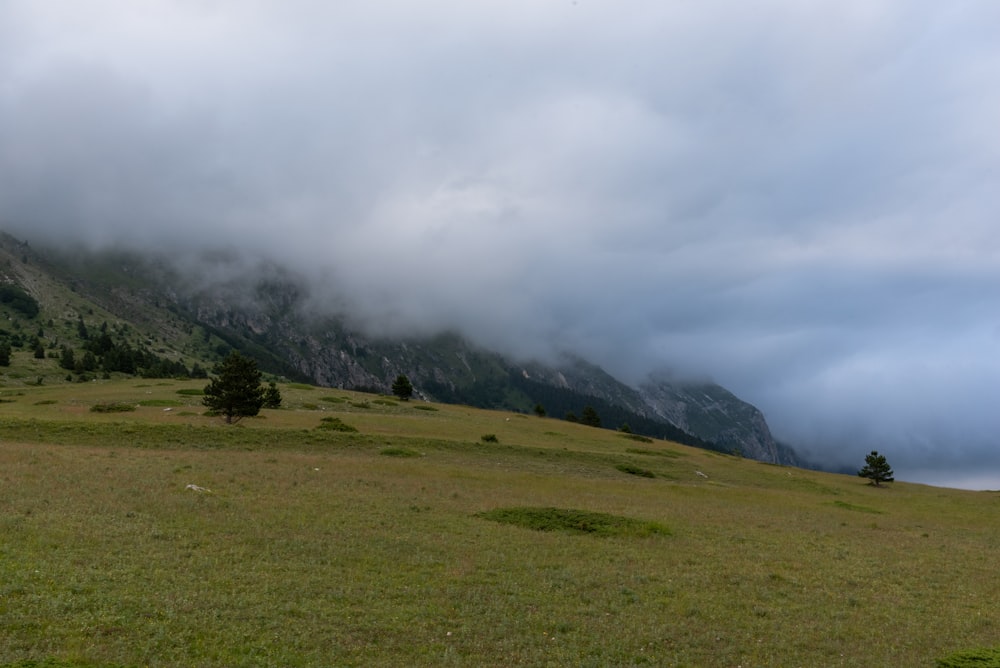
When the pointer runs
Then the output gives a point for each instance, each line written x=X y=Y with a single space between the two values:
x=306 y=544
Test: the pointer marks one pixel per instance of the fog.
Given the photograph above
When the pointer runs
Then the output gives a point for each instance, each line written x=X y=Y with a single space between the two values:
x=797 y=201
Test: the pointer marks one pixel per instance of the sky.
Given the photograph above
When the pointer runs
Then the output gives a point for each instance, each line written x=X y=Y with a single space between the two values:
x=796 y=200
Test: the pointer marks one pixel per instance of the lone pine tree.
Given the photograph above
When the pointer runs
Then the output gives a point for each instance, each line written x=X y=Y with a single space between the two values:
x=402 y=387
x=235 y=392
x=876 y=469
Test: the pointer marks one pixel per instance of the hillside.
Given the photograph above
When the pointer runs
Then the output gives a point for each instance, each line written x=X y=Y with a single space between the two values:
x=156 y=535
x=186 y=318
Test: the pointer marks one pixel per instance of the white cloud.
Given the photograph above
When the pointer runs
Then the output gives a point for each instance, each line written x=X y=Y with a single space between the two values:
x=795 y=199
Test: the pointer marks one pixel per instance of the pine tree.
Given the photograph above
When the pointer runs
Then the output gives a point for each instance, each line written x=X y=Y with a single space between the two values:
x=402 y=388
x=235 y=392
x=590 y=417
x=272 y=396
x=876 y=469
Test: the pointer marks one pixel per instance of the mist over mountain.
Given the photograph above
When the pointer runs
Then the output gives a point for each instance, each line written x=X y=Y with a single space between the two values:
x=126 y=312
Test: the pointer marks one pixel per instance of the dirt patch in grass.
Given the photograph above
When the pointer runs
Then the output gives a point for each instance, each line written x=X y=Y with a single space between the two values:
x=574 y=521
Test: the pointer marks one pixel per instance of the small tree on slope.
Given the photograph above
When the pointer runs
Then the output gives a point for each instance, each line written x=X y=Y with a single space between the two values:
x=235 y=392
x=402 y=387
x=876 y=469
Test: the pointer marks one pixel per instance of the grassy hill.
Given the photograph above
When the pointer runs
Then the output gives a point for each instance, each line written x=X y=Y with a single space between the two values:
x=316 y=546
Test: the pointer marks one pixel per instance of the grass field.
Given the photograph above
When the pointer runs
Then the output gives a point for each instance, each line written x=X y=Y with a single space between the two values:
x=321 y=547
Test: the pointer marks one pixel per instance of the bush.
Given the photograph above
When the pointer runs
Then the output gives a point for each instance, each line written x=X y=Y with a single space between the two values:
x=489 y=438
x=425 y=407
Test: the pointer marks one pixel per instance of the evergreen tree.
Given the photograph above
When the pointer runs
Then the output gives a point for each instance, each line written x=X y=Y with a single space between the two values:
x=5 y=354
x=235 y=392
x=589 y=417
x=876 y=469
x=402 y=387
x=539 y=410
x=272 y=396
x=67 y=360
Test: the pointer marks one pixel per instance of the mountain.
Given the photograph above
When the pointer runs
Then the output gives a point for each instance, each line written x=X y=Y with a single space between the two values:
x=168 y=315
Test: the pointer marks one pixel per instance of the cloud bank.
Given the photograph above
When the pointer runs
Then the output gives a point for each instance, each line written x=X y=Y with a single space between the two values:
x=797 y=201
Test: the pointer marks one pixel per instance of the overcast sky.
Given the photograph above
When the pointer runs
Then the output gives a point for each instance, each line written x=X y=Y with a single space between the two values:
x=798 y=200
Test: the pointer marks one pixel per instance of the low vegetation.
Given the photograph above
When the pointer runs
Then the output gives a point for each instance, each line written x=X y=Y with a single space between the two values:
x=632 y=469
x=112 y=407
x=164 y=537
x=976 y=658
x=336 y=424
x=574 y=521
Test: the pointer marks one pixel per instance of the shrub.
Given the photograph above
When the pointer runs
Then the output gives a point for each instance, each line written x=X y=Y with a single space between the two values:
x=489 y=438
x=425 y=407
x=191 y=392
x=631 y=469
x=635 y=437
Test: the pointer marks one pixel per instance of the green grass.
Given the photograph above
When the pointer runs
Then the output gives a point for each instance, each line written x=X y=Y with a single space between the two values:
x=112 y=407
x=335 y=424
x=574 y=521
x=857 y=508
x=326 y=548
x=632 y=469
x=160 y=402
x=977 y=658
x=398 y=452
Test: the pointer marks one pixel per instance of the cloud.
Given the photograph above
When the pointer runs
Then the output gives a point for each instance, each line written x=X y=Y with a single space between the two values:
x=796 y=200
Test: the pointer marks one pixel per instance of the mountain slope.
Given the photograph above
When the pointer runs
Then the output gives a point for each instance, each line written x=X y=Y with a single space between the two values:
x=194 y=317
